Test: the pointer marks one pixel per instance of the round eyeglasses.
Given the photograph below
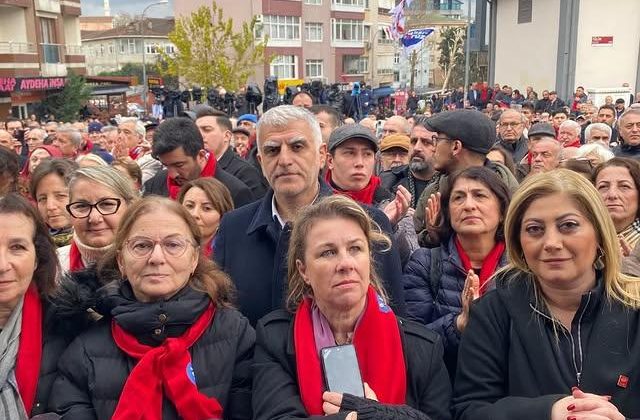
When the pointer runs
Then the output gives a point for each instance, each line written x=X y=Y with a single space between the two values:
x=141 y=247
x=82 y=209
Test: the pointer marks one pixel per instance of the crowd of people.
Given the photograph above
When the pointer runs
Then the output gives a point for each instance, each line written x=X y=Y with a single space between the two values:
x=482 y=261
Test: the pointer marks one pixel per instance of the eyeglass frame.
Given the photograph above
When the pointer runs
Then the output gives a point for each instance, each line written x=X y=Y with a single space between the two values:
x=158 y=242
x=436 y=139
x=94 y=206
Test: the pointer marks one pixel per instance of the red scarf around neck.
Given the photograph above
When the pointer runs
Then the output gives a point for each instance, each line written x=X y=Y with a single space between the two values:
x=489 y=265
x=364 y=196
x=30 y=348
x=208 y=171
x=75 y=258
x=378 y=349
x=164 y=370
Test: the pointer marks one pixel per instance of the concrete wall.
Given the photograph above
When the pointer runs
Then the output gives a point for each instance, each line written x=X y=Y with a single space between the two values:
x=601 y=67
x=526 y=53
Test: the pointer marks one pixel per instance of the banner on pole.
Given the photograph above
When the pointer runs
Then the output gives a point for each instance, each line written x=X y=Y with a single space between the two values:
x=413 y=38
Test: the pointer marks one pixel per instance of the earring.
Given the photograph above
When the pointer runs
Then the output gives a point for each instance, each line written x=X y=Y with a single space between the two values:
x=598 y=264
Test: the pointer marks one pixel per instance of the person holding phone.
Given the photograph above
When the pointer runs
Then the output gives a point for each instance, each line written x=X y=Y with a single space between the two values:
x=336 y=299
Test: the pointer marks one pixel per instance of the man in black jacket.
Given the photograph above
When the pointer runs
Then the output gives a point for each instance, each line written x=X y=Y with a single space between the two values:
x=511 y=133
x=252 y=242
x=177 y=143
x=215 y=128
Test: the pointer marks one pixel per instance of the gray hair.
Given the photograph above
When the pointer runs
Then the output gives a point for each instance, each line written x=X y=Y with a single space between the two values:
x=632 y=110
x=106 y=176
x=108 y=129
x=596 y=126
x=573 y=125
x=597 y=149
x=406 y=127
x=74 y=135
x=91 y=157
x=39 y=132
x=281 y=116
x=512 y=111
x=139 y=126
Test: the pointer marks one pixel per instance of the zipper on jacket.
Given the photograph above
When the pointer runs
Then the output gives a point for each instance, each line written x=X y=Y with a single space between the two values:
x=573 y=347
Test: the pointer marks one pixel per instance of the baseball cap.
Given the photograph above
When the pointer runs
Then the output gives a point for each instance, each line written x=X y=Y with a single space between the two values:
x=248 y=117
x=348 y=132
x=395 y=140
x=94 y=127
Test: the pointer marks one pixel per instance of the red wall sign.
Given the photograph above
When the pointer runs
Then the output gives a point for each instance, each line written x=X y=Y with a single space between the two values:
x=13 y=84
x=601 y=41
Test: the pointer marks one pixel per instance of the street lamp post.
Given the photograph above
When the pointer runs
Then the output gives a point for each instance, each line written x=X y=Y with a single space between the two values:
x=466 y=53
x=144 y=53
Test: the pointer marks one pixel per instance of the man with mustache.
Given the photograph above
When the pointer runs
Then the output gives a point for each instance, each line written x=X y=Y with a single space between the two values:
x=252 y=242
x=178 y=144
x=419 y=172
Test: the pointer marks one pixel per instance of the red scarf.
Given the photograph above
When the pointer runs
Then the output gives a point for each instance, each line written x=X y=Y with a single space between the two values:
x=29 y=348
x=364 y=196
x=208 y=171
x=161 y=370
x=135 y=152
x=378 y=348
x=489 y=265
x=75 y=259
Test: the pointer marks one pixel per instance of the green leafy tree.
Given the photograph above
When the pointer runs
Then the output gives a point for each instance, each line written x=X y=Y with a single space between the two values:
x=127 y=69
x=67 y=104
x=210 y=53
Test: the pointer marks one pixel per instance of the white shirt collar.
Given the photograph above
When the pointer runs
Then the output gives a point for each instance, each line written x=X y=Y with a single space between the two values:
x=274 y=212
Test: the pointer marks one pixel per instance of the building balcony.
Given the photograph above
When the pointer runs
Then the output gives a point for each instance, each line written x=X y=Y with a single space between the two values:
x=73 y=50
x=51 y=53
x=356 y=6
x=53 y=70
x=51 y=6
x=339 y=43
x=11 y=47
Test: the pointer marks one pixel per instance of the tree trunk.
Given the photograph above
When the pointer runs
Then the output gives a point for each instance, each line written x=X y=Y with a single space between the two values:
x=413 y=61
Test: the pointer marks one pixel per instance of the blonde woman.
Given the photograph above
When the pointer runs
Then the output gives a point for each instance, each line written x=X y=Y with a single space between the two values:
x=558 y=338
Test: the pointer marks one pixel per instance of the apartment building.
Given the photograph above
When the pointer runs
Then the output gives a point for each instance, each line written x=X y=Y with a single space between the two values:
x=308 y=39
x=39 y=45
x=110 y=49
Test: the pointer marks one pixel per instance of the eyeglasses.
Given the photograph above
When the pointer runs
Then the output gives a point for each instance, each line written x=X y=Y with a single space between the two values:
x=510 y=125
x=437 y=139
x=82 y=209
x=141 y=247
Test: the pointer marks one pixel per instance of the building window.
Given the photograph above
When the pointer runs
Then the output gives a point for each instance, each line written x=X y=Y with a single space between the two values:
x=354 y=64
x=313 y=31
x=282 y=27
x=525 y=11
x=169 y=49
x=396 y=58
x=348 y=30
x=285 y=67
x=314 y=2
x=111 y=49
x=355 y=3
x=314 y=69
x=132 y=46
x=123 y=46
x=151 y=49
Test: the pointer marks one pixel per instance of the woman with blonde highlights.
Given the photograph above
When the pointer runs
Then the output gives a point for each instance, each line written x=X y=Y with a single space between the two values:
x=336 y=299
x=558 y=338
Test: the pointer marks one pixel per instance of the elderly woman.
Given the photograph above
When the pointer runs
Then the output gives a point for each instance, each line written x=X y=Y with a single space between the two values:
x=595 y=153
x=30 y=338
x=440 y=283
x=168 y=346
x=98 y=197
x=618 y=182
x=207 y=200
x=559 y=337
x=335 y=298
x=50 y=190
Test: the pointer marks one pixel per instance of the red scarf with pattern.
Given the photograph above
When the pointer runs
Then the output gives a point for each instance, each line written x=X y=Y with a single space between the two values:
x=208 y=171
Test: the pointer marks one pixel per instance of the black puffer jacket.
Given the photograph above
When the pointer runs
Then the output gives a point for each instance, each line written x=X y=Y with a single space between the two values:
x=93 y=370
x=276 y=394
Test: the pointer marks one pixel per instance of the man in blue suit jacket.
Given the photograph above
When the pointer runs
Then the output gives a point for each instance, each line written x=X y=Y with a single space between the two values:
x=252 y=242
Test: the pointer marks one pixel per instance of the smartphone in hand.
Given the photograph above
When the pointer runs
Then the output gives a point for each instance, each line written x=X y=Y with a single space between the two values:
x=341 y=370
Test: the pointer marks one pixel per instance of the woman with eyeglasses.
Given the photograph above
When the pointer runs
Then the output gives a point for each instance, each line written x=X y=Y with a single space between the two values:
x=98 y=197
x=169 y=345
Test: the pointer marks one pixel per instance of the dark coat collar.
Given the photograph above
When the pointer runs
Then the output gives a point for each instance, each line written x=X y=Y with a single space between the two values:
x=263 y=216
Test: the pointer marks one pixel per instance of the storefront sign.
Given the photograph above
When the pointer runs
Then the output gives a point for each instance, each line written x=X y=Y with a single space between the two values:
x=17 y=84
x=601 y=41
x=154 y=82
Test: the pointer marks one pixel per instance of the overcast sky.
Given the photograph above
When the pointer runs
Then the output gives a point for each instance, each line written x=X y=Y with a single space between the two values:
x=96 y=7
